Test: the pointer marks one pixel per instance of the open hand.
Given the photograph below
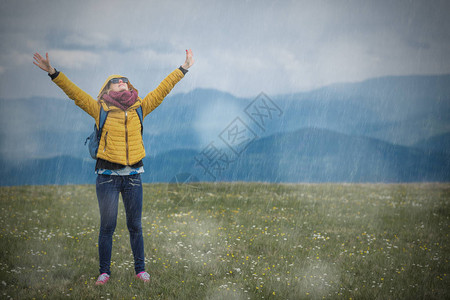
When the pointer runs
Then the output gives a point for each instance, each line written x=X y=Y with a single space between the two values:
x=189 y=60
x=43 y=63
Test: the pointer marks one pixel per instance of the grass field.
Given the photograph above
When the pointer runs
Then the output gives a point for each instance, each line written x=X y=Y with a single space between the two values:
x=233 y=241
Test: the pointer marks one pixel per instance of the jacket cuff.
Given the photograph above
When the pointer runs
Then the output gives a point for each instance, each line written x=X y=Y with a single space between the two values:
x=54 y=75
x=181 y=69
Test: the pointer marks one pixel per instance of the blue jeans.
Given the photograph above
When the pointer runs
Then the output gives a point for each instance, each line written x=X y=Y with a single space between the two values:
x=108 y=189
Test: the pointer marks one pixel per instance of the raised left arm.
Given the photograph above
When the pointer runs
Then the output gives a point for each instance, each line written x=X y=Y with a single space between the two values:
x=155 y=97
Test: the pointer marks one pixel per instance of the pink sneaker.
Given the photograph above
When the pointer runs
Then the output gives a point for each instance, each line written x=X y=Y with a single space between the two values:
x=144 y=276
x=102 y=279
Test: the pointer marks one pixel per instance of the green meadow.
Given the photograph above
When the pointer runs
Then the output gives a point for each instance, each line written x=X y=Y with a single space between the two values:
x=233 y=241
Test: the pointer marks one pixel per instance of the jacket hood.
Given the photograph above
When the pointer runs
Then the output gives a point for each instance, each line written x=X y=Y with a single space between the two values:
x=105 y=84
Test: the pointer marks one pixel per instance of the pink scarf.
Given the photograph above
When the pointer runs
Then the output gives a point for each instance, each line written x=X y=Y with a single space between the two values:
x=122 y=100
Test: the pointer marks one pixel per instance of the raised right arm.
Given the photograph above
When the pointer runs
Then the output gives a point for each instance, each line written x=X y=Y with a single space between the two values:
x=81 y=98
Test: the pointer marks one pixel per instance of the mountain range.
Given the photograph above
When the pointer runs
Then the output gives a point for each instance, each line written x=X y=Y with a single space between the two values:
x=389 y=129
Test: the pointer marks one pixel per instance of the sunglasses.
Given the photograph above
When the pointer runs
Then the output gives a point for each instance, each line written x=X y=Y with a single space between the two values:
x=116 y=80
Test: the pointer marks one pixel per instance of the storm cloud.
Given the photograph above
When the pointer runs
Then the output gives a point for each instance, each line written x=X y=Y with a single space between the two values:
x=242 y=47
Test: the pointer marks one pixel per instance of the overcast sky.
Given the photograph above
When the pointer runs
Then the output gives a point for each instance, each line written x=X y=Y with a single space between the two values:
x=242 y=47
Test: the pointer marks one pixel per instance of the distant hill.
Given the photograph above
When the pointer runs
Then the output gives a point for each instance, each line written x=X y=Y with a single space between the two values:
x=398 y=109
x=318 y=155
x=56 y=170
x=401 y=110
x=306 y=155
x=439 y=143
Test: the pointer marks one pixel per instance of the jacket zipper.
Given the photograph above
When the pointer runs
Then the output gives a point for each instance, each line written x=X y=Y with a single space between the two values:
x=126 y=137
x=106 y=135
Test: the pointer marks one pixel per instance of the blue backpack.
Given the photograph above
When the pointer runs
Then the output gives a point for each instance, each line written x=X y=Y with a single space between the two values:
x=94 y=138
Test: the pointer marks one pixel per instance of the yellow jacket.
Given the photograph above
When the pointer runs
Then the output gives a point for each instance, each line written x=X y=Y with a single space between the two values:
x=121 y=140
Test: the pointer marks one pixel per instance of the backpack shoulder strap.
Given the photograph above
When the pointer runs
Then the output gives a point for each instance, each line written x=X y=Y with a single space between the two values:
x=101 y=121
x=141 y=117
